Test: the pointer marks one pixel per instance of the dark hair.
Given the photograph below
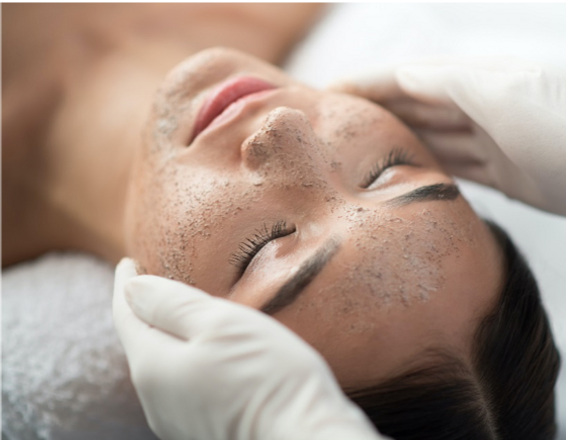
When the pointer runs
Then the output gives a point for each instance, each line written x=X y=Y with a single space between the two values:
x=506 y=394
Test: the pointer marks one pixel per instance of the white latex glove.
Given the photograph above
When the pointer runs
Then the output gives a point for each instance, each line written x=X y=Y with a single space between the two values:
x=499 y=122
x=209 y=369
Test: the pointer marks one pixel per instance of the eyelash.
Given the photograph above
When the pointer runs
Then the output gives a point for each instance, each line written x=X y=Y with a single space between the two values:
x=251 y=246
x=397 y=156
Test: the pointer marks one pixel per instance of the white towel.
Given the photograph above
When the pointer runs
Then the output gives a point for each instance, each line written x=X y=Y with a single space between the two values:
x=64 y=371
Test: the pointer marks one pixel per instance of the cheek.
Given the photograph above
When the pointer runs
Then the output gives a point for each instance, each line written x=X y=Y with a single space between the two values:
x=159 y=238
x=173 y=217
x=358 y=134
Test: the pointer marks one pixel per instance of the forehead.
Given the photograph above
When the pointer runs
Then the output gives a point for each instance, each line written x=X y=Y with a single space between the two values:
x=418 y=279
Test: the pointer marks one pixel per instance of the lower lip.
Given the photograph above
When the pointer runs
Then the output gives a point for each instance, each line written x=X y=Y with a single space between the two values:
x=224 y=95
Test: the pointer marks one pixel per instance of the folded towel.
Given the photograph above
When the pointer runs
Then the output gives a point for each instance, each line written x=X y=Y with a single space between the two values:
x=64 y=370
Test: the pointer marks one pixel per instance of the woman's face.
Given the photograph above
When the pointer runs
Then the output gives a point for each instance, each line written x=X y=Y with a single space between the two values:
x=283 y=204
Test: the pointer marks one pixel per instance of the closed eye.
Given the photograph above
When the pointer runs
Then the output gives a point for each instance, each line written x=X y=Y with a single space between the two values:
x=397 y=156
x=251 y=246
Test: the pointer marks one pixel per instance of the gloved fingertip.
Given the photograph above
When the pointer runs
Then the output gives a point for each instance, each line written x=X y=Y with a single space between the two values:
x=127 y=267
x=139 y=294
x=164 y=304
x=156 y=283
x=143 y=284
x=157 y=289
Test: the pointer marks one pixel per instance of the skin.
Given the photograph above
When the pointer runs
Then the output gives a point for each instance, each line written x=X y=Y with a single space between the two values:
x=78 y=81
x=76 y=95
x=404 y=278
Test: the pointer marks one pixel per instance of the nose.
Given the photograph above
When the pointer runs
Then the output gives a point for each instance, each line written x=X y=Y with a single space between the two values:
x=286 y=141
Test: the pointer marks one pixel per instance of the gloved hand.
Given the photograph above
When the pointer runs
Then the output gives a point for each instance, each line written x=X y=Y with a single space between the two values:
x=209 y=369
x=498 y=122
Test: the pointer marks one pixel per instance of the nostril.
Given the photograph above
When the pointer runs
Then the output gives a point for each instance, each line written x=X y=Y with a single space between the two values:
x=254 y=153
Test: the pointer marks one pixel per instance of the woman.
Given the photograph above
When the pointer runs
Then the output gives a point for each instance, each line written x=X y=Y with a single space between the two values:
x=318 y=208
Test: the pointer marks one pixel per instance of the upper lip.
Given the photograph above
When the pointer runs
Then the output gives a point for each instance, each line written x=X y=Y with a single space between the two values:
x=220 y=98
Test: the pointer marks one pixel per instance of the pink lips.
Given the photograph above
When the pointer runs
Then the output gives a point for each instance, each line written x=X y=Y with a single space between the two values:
x=224 y=95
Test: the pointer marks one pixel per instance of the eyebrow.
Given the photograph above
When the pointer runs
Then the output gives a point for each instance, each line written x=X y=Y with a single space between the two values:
x=438 y=191
x=308 y=271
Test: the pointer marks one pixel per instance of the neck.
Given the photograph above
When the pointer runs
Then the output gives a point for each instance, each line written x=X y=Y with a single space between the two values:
x=91 y=146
